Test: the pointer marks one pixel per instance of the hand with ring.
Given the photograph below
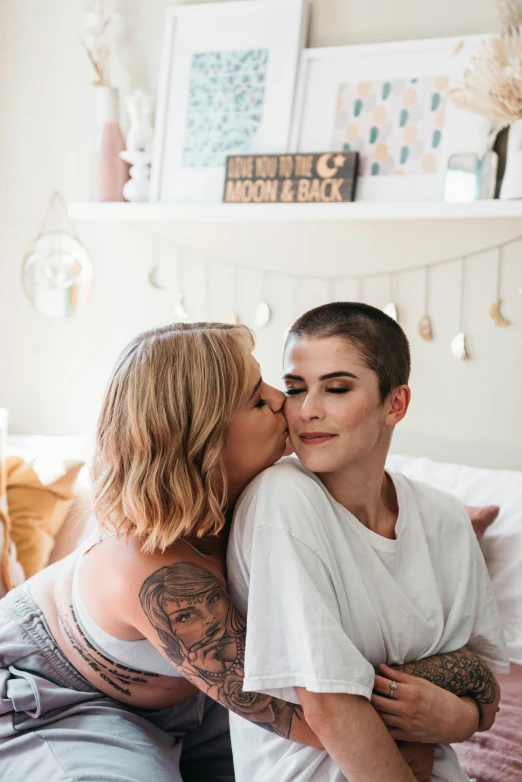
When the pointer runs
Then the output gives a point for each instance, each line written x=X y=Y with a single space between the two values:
x=416 y=710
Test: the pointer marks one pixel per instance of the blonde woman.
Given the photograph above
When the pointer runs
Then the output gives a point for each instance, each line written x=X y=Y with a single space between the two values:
x=113 y=659
x=116 y=663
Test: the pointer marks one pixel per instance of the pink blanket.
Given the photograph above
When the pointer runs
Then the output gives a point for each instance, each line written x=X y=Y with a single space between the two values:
x=496 y=756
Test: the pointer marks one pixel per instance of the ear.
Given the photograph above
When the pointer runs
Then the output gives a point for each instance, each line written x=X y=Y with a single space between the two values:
x=397 y=405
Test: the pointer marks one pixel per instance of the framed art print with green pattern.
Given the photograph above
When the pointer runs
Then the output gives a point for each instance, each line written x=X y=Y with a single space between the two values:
x=227 y=87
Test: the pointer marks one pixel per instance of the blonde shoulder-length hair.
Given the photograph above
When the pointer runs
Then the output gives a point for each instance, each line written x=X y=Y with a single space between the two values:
x=158 y=472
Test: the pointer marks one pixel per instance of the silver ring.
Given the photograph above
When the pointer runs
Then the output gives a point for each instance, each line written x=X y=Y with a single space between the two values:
x=393 y=687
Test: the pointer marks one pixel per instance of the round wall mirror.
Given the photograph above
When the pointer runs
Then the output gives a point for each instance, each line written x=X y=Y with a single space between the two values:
x=57 y=274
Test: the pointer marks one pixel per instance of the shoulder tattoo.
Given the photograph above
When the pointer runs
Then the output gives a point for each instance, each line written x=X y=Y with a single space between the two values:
x=203 y=634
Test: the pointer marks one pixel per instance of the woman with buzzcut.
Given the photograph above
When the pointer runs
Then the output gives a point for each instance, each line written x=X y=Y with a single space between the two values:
x=343 y=566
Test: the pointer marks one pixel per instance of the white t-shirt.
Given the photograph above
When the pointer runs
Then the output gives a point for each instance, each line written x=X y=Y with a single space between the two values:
x=328 y=600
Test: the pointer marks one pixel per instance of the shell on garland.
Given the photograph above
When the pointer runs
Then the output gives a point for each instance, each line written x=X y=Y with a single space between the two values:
x=496 y=315
x=391 y=310
x=458 y=347
x=425 y=328
x=263 y=314
x=180 y=311
x=153 y=278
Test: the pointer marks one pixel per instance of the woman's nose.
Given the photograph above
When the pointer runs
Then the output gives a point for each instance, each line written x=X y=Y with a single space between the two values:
x=275 y=398
x=207 y=617
x=310 y=409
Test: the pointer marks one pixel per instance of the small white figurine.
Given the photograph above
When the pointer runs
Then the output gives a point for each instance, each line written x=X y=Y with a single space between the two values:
x=140 y=105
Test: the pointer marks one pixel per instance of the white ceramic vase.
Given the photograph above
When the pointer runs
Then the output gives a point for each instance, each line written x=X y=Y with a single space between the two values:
x=512 y=182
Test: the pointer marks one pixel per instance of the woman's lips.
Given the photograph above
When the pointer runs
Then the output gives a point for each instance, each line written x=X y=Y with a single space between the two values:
x=315 y=438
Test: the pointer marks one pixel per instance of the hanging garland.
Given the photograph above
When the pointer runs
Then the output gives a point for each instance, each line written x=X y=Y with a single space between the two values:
x=263 y=312
x=234 y=318
x=494 y=311
x=424 y=326
x=458 y=343
x=180 y=311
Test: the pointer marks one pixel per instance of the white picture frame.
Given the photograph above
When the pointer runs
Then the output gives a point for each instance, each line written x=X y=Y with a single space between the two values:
x=228 y=78
x=320 y=101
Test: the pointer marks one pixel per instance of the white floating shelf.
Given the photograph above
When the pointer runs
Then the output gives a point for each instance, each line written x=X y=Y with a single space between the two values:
x=226 y=213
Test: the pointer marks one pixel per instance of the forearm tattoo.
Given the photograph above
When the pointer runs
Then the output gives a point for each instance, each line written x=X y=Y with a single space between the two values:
x=203 y=635
x=116 y=675
x=462 y=673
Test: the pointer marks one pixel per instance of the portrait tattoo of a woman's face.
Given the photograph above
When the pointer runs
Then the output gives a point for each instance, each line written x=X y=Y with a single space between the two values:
x=203 y=634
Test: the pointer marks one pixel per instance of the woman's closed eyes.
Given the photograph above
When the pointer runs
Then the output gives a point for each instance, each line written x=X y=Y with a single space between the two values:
x=295 y=391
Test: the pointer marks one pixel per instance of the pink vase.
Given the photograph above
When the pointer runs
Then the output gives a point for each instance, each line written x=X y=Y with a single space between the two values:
x=108 y=171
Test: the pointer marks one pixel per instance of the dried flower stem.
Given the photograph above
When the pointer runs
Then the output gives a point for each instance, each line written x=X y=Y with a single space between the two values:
x=509 y=14
x=491 y=85
x=97 y=45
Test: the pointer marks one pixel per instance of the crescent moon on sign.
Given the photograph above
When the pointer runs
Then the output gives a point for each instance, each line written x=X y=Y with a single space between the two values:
x=153 y=280
x=323 y=169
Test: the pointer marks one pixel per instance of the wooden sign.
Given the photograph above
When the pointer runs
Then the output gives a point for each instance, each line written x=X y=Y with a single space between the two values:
x=291 y=179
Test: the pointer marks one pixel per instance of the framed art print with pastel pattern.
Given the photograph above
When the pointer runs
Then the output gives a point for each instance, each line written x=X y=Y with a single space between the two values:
x=388 y=103
x=227 y=88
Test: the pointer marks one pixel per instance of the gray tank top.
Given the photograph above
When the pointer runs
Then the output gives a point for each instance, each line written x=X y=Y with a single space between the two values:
x=141 y=654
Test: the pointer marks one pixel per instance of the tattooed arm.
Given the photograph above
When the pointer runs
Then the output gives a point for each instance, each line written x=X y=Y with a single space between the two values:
x=192 y=621
x=441 y=699
x=464 y=674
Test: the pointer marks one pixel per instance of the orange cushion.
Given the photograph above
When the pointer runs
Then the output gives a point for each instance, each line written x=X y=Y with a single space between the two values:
x=37 y=504
x=11 y=573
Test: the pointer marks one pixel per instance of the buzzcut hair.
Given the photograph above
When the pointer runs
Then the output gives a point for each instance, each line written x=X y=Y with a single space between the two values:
x=382 y=344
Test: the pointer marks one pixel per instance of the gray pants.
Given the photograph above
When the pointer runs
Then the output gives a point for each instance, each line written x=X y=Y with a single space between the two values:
x=56 y=727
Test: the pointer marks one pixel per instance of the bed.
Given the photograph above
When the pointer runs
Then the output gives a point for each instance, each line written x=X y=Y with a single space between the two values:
x=495 y=756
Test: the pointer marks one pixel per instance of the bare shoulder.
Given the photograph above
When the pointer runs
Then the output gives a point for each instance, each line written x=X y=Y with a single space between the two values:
x=135 y=569
x=117 y=569
x=186 y=613
x=179 y=601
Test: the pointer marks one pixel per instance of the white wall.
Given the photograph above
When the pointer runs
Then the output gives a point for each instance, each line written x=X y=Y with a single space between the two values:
x=52 y=373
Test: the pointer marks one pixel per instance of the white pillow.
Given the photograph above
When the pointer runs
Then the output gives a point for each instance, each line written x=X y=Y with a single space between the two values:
x=502 y=542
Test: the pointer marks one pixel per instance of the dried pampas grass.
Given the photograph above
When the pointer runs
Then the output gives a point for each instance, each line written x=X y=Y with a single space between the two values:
x=492 y=83
x=508 y=13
